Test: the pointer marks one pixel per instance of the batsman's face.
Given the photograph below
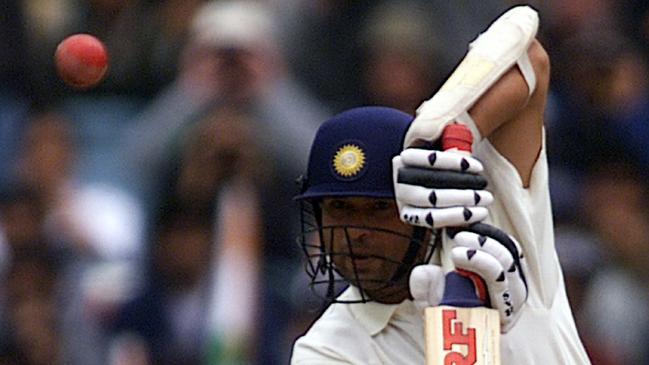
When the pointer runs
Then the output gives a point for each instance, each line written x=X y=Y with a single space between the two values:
x=367 y=243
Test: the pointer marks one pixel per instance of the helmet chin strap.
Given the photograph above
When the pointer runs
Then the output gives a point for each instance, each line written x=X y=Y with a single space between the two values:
x=416 y=241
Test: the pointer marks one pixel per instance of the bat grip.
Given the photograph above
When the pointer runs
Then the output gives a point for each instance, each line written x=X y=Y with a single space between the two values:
x=457 y=137
x=460 y=289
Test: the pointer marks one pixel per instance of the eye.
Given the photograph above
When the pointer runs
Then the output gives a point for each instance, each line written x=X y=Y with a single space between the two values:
x=337 y=209
x=383 y=209
x=337 y=204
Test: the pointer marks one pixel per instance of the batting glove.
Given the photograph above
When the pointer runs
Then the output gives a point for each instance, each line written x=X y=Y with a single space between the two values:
x=488 y=253
x=426 y=285
x=437 y=189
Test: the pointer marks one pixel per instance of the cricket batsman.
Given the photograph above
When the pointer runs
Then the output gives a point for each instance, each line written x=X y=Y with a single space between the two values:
x=381 y=234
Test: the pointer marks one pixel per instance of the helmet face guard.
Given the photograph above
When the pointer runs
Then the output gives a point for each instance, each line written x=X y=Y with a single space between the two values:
x=334 y=260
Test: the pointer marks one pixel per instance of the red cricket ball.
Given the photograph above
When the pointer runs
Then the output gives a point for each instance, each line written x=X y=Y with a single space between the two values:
x=81 y=61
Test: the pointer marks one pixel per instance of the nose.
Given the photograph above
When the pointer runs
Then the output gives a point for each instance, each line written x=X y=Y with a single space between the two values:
x=363 y=218
x=357 y=234
x=358 y=237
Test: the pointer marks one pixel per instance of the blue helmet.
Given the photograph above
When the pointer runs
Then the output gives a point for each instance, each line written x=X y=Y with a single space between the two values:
x=351 y=156
x=352 y=152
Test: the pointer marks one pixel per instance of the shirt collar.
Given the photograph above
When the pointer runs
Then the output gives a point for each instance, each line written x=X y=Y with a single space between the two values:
x=373 y=316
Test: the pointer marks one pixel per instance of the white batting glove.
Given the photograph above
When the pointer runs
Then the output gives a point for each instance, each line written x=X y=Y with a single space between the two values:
x=496 y=257
x=492 y=255
x=426 y=286
x=437 y=189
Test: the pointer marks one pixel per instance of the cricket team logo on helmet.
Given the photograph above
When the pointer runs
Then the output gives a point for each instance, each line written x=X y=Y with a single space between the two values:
x=351 y=157
x=349 y=161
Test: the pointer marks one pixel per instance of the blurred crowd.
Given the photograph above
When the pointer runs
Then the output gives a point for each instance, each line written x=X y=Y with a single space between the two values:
x=150 y=220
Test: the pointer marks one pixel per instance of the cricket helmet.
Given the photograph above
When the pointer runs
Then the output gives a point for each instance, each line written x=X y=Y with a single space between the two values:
x=351 y=156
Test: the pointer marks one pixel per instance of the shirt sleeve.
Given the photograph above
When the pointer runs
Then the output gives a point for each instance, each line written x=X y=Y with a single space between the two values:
x=525 y=213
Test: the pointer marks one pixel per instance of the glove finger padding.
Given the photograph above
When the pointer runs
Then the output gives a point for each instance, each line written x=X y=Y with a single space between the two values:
x=442 y=217
x=443 y=160
x=441 y=179
x=479 y=242
x=503 y=238
x=433 y=198
x=501 y=270
x=426 y=286
x=419 y=196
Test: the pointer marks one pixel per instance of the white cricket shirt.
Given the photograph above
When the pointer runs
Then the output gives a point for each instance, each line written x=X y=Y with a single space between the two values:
x=373 y=333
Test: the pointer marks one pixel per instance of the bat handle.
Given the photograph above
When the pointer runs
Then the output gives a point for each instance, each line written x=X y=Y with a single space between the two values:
x=460 y=289
x=457 y=137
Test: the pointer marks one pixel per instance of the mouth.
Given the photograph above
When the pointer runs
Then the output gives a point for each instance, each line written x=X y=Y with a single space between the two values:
x=364 y=263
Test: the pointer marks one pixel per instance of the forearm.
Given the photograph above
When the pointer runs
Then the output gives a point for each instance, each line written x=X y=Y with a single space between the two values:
x=511 y=119
x=500 y=104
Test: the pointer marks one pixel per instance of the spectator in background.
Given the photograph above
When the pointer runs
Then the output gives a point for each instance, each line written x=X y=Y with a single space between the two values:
x=403 y=58
x=204 y=288
x=15 y=85
x=323 y=47
x=581 y=255
x=22 y=214
x=326 y=42
x=615 y=301
x=232 y=56
x=14 y=75
x=96 y=227
x=33 y=329
x=241 y=171
x=98 y=221
x=165 y=323
x=563 y=20
x=21 y=229
x=31 y=267
x=629 y=102
x=634 y=21
x=596 y=110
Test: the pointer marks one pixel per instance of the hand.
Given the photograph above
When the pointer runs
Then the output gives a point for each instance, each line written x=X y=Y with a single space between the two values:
x=426 y=284
x=496 y=257
x=493 y=256
x=437 y=189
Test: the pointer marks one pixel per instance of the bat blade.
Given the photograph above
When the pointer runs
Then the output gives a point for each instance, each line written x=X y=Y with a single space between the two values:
x=462 y=336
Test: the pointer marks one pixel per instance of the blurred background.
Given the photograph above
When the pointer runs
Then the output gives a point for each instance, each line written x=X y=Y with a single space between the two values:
x=150 y=221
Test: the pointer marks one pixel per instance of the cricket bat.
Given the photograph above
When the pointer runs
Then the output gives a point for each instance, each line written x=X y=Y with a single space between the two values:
x=461 y=330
